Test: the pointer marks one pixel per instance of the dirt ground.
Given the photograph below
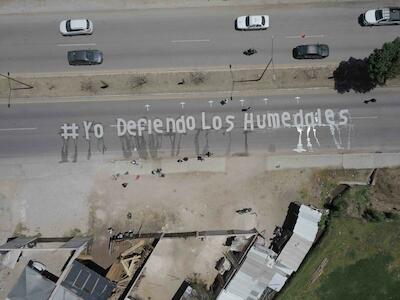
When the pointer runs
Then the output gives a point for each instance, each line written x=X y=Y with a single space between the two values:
x=193 y=201
x=139 y=82
x=175 y=260
x=386 y=191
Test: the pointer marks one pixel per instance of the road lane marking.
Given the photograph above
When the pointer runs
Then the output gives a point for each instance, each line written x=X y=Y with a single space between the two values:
x=17 y=129
x=305 y=36
x=76 y=45
x=188 y=41
x=366 y=117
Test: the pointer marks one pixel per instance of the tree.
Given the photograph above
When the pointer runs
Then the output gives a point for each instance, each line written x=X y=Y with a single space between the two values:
x=384 y=63
x=353 y=74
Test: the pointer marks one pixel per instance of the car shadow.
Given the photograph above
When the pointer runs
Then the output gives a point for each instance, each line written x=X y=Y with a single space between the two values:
x=361 y=20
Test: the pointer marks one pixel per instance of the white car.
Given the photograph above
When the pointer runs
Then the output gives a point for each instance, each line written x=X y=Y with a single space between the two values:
x=76 y=27
x=252 y=22
x=381 y=16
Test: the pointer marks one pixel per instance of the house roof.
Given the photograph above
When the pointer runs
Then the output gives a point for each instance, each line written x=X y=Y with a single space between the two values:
x=304 y=233
x=257 y=272
x=86 y=283
x=263 y=268
x=31 y=285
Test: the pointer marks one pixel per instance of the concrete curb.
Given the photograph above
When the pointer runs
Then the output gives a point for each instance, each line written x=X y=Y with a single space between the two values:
x=334 y=161
x=53 y=6
x=170 y=96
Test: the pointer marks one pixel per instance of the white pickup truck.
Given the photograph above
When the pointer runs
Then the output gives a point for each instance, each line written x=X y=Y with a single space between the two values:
x=382 y=16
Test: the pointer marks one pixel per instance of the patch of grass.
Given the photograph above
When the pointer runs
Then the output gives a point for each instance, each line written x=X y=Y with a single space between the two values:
x=362 y=198
x=325 y=181
x=368 y=278
x=354 y=249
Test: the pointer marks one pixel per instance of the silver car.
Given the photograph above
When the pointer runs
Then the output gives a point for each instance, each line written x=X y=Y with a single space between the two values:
x=252 y=22
x=76 y=27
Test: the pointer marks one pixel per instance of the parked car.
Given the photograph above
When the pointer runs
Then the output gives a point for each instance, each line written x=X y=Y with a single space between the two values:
x=85 y=57
x=381 y=16
x=252 y=22
x=315 y=51
x=76 y=27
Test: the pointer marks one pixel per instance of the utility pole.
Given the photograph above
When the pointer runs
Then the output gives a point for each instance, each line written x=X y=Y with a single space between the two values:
x=272 y=58
x=10 y=88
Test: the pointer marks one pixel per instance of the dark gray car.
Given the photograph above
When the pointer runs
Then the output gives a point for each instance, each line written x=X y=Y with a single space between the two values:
x=85 y=57
x=315 y=51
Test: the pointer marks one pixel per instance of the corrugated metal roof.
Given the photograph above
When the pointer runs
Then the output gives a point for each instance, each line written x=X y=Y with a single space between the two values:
x=260 y=270
x=17 y=243
x=294 y=252
x=303 y=237
x=254 y=276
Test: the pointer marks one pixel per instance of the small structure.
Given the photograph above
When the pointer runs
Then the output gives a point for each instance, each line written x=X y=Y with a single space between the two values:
x=31 y=285
x=303 y=236
x=73 y=280
x=85 y=284
x=264 y=271
x=258 y=272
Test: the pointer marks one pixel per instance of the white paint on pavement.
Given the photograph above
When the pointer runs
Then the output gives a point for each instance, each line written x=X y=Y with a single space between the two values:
x=366 y=117
x=305 y=36
x=18 y=129
x=76 y=45
x=189 y=41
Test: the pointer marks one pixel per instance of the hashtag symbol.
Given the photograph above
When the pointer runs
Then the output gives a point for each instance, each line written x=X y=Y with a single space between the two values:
x=69 y=131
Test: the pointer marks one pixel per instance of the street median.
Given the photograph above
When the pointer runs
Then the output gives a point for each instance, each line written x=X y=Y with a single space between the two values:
x=147 y=82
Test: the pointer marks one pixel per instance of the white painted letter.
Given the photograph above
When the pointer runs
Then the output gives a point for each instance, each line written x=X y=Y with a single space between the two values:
x=131 y=126
x=170 y=121
x=190 y=123
x=298 y=118
x=261 y=122
x=98 y=131
x=87 y=126
x=121 y=127
x=286 y=117
x=203 y=122
x=216 y=122
x=343 y=116
x=330 y=116
x=248 y=121
x=181 y=125
x=273 y=120
x=157 y=124
x=229 y=120
x=309 y=119
x=141 y=124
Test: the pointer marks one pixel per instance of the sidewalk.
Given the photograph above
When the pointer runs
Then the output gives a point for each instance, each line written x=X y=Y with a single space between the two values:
x=46 y=6
x=333 y=161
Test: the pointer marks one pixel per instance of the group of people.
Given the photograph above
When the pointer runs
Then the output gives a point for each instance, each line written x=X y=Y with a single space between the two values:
x=158 y=172
x=199 y=157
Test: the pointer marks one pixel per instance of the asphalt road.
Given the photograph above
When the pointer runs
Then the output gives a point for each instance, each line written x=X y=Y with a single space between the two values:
x=34 y=129
x=187 y=37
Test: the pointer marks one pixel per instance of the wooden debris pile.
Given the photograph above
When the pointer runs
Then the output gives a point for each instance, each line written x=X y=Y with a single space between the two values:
x=122 y=270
